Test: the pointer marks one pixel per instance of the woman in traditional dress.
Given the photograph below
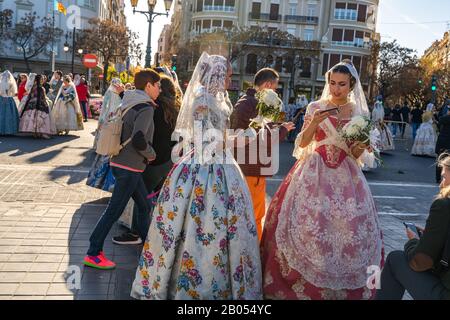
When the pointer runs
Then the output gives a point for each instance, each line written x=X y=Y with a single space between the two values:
x=100 y=176
x=9 y=115
x=386 y=142
x=66 y=110
x=425 y=141
x=35 y=116
x=322 y=232
x=202 y=241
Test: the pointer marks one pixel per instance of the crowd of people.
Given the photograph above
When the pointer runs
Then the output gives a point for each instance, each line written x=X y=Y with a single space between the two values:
x=201 y=222
x=430 y=127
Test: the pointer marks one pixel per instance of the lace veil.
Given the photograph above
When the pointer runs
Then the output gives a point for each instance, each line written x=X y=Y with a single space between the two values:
x=360 y=108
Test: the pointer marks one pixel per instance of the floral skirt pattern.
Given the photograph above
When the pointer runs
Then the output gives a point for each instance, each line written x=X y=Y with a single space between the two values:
x=9 y=116
x=202 y=241
x=36 y=121
x=100 y=175
x=425 y=142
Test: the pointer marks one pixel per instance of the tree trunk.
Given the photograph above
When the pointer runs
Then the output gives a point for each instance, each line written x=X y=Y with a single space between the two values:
x=26 y=61
x=105 y=75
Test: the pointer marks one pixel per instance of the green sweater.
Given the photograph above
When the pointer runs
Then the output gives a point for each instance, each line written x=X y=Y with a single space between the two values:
x=434 y=238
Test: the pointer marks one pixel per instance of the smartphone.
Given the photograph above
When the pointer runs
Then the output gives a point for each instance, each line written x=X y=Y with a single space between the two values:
x=332 y=111
x=413 y=228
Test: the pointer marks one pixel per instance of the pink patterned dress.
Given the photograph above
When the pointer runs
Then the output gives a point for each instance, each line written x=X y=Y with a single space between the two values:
x=321 y=232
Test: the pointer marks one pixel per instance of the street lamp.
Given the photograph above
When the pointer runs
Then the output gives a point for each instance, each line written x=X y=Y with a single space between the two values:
x=150 y=14
x=67 y=47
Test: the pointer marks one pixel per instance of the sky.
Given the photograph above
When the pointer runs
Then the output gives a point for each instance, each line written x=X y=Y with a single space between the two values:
x=138 y=23
x=415 y=24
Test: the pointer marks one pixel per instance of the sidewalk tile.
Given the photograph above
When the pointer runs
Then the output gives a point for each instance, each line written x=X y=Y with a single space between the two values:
x=44 y=267
x=54 y=250
x=45 y=257
x=38 y=277
x=59 y=298
x=59 y=289
x=16 y=267
x=23 y=257
x=8 y=288
x=12 y=277
x=28 y=298
x=32 y=289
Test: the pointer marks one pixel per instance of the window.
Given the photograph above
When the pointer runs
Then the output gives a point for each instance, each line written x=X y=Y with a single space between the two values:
x=274 y=9
x=252 y=63
x=306 y=68
x=198 y=25
x=344 y=11
x=334 y=59
x=228 y=24
x=279 y=64
x=208 y=3
x=357 y=63
x=292 y=9
x=256 y=10
x=337 y=35
x=325 y=63
x=362 y=13
x=217 y=23
x=349 y=35
x=269 y=61
x=206 y=24
x=308 y=35
x=199 y=5
x=291 y=30
x=311 y=10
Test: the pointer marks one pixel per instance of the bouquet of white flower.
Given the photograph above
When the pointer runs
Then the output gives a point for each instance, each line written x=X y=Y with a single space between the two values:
x=269 y=108
x=362 y=129
x=358 y=129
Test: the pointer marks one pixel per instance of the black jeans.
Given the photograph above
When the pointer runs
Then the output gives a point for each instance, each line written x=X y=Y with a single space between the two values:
x=397 y=276
x=84 y=109
x=153 y=177
x=128 y=184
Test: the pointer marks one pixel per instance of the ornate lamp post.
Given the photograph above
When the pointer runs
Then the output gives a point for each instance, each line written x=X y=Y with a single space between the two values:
x=150 y=14
x=67 y=47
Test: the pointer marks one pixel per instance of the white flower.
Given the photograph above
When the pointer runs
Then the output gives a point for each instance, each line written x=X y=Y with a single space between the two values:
x=352 y=130
x=270 y=98
x=359 y=121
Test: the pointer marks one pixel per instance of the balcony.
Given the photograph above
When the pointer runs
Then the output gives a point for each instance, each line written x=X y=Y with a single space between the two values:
x=264 y=16
x=357 y=43
x=301 y=19
x=219 y=8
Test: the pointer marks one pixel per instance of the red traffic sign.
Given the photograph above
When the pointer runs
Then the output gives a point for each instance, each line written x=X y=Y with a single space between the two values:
x=90 y=60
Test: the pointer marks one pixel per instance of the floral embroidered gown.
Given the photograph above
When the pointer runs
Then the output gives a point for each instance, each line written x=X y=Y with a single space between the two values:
x=321 y=231
x=202 y=241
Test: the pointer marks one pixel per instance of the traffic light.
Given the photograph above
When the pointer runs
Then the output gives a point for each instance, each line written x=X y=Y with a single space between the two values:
x=433 y=83
x=420 y=81
x=174 y=62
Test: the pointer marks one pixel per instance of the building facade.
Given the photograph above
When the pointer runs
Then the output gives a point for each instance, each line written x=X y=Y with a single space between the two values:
x=161 y=55
x=439 y=53
x=345 y=29
x=78 y=14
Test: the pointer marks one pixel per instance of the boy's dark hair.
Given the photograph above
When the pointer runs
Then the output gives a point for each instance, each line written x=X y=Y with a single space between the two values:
x=59 y=72
x=264 y=75
x=145 y=76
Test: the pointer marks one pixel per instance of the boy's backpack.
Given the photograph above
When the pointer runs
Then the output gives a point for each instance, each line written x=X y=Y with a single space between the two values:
x=108 y=143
